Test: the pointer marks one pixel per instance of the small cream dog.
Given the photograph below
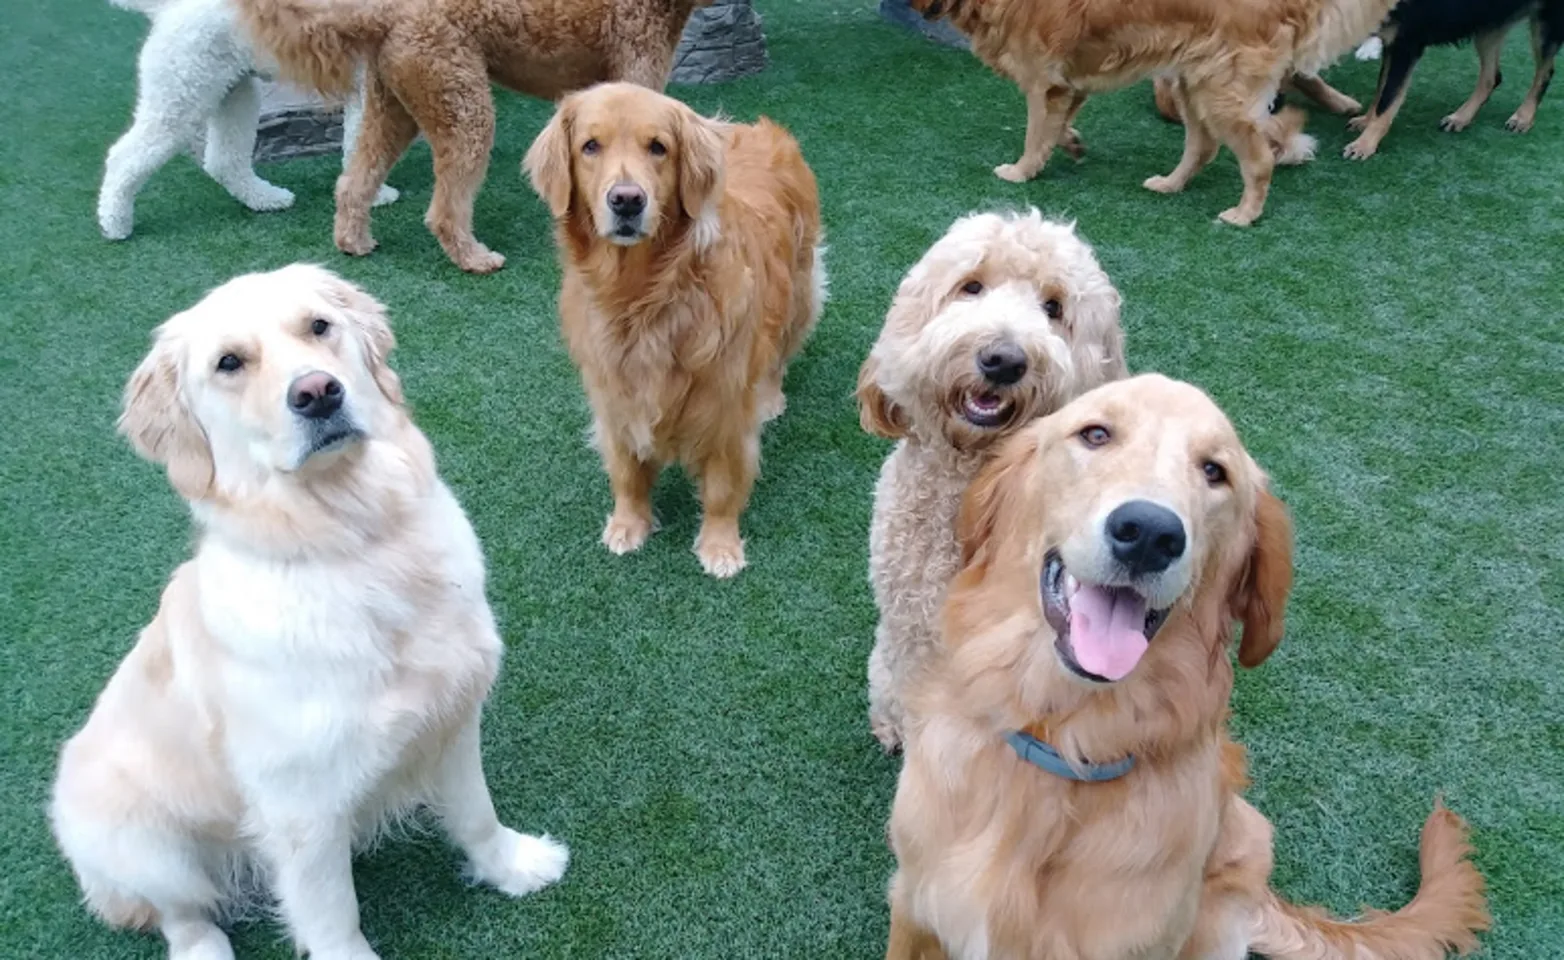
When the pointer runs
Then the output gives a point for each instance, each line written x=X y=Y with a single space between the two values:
x=1006 y=318
x=198 y=85
x=318 y=668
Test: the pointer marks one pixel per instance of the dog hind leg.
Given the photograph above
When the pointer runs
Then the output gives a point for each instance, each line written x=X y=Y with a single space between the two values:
x=1397 y=76
x=230 y=149
x=352 y=122
x=1489 y=45
x=384 y=133
x=1200 y=146
x=1547 y=32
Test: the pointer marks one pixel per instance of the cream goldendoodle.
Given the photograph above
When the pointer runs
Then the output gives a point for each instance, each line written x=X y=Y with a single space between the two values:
x=1006 y=318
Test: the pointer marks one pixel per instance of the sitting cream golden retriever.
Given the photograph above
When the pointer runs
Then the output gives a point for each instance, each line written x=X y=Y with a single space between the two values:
x=1227 y=59
x=1070 y=791
x=692 y=274
x=430 y=63
x=316 y=671
x=1004 y=319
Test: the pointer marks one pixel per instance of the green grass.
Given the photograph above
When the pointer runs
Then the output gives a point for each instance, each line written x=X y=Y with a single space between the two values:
x=1388 y=340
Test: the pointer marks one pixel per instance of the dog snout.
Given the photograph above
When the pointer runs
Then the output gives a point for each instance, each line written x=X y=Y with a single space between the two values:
x=1145 y=537
x=315 y=395
x=1002 y=364
x=626 y=200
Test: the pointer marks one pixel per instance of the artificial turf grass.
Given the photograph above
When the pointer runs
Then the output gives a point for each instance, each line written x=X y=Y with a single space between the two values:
x=1387 y=340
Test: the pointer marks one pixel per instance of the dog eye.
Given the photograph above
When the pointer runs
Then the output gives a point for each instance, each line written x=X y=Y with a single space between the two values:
x=589 y=148
x=319 y=327
x=1095 y=435
x=1216 y=474
x=1053 y=308
x=229 y=362
x=656 y=148
x=972 y=288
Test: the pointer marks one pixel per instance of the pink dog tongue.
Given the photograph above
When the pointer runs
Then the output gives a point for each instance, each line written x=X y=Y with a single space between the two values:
x=1107 y=630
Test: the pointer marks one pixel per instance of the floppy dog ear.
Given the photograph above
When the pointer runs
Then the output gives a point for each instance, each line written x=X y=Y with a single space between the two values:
x=701 y=152
x=991 y=494
x=1261 y=599
x=161 y=428
x=367 y=317
x=877 y=414
x=547 y=162
x=1098 y=339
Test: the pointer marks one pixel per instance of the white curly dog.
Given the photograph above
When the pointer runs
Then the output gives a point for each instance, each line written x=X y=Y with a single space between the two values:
x=1006 y=318
x=199 y=88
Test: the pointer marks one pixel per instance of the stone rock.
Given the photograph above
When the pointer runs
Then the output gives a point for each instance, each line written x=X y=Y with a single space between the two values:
x=722 y=42
x=940 y=31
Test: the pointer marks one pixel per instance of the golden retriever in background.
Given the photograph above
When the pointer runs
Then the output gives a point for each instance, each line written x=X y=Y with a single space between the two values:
x=1069 y=790
x=430 y=66
x=692 y=275
x=317 y=670
x=1228 y=59
x=1004 y=319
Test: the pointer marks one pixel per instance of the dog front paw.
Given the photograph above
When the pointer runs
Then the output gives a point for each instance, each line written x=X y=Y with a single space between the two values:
x=385 y=195
x=1014 y=172
x=526 y=864
x=625 y=533
x=721 y=554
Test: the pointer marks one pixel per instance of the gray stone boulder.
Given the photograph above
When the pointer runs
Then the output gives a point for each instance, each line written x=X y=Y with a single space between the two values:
x=940 y=31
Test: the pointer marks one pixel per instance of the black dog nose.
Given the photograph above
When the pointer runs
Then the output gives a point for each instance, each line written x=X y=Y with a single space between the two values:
x=626 y=200
x=1002 y=364
x=1145 y=537
x=315 y=395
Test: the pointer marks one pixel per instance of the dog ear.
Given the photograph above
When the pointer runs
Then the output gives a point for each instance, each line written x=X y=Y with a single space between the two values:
x=991 y=493
x=701 y=153
x=547 y=162
x=367 y=317
x=1261 y=598
x=161 y=428
x=876 y=412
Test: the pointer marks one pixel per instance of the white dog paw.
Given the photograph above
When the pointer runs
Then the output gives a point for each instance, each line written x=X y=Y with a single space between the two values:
x=525 y=864
x=1014 y=172
x=387 y=194
x=264 y=197
x=116 y=224
x=1370 y=49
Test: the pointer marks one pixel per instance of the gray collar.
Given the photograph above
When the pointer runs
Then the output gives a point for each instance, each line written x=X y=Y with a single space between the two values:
x=1041 y=755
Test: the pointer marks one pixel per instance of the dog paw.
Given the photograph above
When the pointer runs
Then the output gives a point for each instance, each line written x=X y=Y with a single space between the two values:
x=886 y=732
x=385 y=195
x=1162 y=185
x=115 y=226
x=481 y=260
x=772 y=404
x=1074 y=147
x=1360 y=149
x=722 y=556
x=1013 y=172
x=265 y=198
x=1370 y=49
x=356 y=245
x=1237 y=217
x=1358 y=122
x=626 y=534
x=527 y=864
x=1454 y=123
x=358 y=951
x=1518 y=123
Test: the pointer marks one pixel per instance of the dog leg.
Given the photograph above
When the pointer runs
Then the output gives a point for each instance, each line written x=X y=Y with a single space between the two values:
x=1546 y=35
x=908 y=941
x=726 y=475
x=631 y=480
x=884 y=711
x=230 y=150
x=1399 y=62
x=385 y=130
x=1256 y=161
x=1324 y=94
x=1489 y=45
x=192 y=935
x=515 y=863
x=309 y=852
x=1361 y=120
x=1047 y=112
x=1200 y=146
x=1236 y=876
x=352 y=121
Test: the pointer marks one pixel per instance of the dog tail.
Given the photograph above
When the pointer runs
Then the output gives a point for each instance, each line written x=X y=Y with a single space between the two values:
x=317 y=43
x=1288 y=141
x=1444 y=916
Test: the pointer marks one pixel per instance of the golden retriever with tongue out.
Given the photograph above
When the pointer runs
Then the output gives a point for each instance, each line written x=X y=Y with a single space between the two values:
x=1070 y=791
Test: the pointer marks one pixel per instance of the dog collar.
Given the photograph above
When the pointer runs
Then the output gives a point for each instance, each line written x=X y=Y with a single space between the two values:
x=1044 y=757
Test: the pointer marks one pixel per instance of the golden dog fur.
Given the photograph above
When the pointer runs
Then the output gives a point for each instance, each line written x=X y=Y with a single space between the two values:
x=430 y=65
x=683 y=327
x=1228 y=58
x=993 y=281
x=999 y=860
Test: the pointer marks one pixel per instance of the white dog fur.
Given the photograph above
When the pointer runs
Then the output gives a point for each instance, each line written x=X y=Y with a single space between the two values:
x=198 y=87
x=916 y=387
x=317 y=669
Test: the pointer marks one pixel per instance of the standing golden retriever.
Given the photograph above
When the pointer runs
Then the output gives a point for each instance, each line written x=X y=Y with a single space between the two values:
x=692 y=275
x=1004 y=319
x=430 y=65
x=1228 y=59
x=317 y=669
x=1069 y=791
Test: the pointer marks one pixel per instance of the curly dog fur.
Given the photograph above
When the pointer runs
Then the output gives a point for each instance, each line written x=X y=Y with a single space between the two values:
x=1006 y=318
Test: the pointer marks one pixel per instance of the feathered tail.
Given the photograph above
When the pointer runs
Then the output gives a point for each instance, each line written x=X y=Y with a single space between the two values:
x=318 y=43
x=1445 y=915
